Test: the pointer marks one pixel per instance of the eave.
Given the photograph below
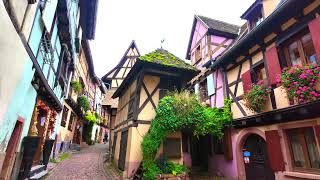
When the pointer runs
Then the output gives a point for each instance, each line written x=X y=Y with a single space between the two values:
x=292 y=113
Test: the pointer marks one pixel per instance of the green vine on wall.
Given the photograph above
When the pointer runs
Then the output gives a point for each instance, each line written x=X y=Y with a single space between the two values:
x=179 y=111
x=84 y=102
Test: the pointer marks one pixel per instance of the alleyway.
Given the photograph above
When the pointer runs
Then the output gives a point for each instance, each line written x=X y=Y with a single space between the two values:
x=85 y=165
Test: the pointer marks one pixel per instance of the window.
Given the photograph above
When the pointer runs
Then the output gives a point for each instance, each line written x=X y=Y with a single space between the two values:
x=64 y=116
x=259 y=74
x=300 y=50
x=256 y=20
x=198 y=55
x=203 y=91
x=172 y=147
x=304 y=151
x=217 y=145
x=71 y=120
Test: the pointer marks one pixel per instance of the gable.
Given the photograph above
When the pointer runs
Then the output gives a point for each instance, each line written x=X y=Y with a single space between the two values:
x=118 y=73
x=199 y=31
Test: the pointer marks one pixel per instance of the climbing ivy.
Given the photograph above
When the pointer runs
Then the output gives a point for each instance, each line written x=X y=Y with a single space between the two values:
x=179 y=111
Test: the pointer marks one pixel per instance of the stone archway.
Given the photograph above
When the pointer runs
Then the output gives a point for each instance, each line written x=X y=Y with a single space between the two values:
x=243 y=135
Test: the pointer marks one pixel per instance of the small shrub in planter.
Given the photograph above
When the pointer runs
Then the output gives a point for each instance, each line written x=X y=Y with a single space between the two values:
x=301 y=82
x=84 y=102
x=257 y=97
x=76 y=86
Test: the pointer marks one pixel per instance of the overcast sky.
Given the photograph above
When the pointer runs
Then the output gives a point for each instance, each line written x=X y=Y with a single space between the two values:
x=148 y=21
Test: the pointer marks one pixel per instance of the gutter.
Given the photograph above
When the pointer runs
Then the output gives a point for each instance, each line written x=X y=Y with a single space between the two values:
x=267 y=22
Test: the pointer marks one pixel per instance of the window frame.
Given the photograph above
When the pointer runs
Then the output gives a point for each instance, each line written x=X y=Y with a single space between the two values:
x=296 y=38
x=302 y=141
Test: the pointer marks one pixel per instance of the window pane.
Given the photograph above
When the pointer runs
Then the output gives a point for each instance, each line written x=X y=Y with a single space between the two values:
x=312 y=148
x=294 y=54
x=308 y=48
x=299 y=160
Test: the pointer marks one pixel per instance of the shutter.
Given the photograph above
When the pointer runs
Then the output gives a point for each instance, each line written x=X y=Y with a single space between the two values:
x=211 y=85
x=273 y=64
x=196 y=88
x=246 y=81
x=314 y=27
x=274 y=150
x=317 y=132
x=227 y=144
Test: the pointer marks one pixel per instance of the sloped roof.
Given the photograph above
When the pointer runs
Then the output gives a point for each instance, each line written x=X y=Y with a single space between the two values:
x=108 y=100
x=165 y=58
x=219 y=25
x=215 y=27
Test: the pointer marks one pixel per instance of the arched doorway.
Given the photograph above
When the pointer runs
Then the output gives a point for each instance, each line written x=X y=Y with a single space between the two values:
x=256 y=160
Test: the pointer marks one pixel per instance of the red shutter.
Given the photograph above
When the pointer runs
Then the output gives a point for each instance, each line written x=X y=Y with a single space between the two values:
x=314 y=27
x=227 y=144
x=246 y=81
x=273 y=64
x=274 y=150
x=317 y=132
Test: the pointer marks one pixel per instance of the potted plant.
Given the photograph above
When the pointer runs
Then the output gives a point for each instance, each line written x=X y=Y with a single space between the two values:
x=255 y=100
x=301 y=83
x=76 y=86
x=84 y=102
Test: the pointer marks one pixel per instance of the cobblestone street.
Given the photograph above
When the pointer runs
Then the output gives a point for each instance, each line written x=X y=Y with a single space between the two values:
x=86 y=164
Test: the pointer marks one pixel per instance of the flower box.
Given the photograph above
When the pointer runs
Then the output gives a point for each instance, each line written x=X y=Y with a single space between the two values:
x=183 y=176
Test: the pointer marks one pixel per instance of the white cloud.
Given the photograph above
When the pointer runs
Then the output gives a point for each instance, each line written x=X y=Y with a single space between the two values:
x=148 y=21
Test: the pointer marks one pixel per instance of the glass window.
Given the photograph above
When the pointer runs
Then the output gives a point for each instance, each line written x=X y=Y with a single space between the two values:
x=300 y=50
x=72 y=117
x=64 y=116
x=259 y=74
x=304 y=148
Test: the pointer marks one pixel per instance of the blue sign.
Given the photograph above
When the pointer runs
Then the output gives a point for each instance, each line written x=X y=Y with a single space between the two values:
x=246 y=154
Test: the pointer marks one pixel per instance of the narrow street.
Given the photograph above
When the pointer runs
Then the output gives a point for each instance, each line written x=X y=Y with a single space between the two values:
x=87 y=164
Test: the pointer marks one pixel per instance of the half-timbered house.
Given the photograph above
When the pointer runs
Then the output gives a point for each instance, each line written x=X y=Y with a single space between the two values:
x=150 y=79
x=209 y=38
x=113 y=80
x=281 y=141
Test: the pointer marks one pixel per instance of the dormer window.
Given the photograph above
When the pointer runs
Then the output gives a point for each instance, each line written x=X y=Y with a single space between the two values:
x=254 y=14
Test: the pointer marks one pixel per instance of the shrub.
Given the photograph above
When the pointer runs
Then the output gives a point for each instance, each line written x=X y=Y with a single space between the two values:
x=76 y=86
x=84 y=102
x=178 y=111
x=300 y=82
x=91 y=117
x=257 y=97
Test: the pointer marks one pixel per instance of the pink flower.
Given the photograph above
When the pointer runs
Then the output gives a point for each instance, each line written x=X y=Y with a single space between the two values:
x=310 y=72
x=298 y=92
x=303 y=76
x=295 y=83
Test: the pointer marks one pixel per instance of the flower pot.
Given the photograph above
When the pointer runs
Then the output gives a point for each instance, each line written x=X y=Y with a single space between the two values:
x=47 y=148
x=30 y=145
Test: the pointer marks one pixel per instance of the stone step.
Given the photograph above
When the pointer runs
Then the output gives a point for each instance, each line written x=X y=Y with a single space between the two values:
x=37 y=169
x=40 y=175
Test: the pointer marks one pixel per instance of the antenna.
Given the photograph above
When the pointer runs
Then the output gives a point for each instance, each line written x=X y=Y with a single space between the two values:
x=162 y=41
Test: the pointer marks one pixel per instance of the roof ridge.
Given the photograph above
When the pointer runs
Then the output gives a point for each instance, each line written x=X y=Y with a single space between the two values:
x=217 y=20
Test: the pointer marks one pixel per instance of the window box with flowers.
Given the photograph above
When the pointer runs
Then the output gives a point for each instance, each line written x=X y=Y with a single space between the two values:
x=256 y=98
x=301 y=83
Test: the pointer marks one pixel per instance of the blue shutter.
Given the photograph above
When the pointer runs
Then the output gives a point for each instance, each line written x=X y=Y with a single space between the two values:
x=48 y=13
x=196 y=88
x=211 y=85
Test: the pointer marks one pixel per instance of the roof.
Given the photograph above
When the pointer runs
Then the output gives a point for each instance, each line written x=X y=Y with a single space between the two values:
x=108 y=100
x=215 y=27
x=122 y=61
x=219 y=25
x=88 y=17
x=165 y=58
x=253 y=9
x=159 y=59
x=89 y=59
x=281 y=14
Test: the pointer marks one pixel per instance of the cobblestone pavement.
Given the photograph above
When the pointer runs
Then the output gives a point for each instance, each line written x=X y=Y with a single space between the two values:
x=88 y=164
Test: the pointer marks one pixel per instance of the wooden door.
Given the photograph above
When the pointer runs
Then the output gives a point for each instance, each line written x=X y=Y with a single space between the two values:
x=123 y=150
x=114 y=144
x=256 y=159
x=11 y=150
